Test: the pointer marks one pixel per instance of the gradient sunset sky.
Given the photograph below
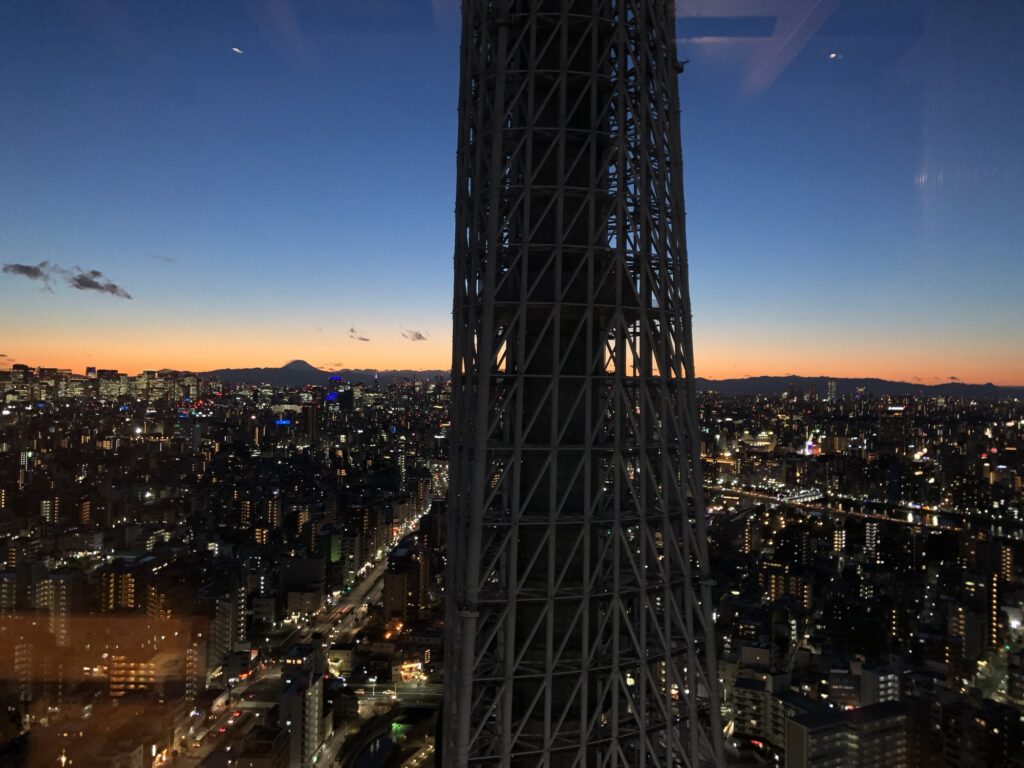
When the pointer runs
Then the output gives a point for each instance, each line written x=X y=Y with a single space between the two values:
x=854 y=182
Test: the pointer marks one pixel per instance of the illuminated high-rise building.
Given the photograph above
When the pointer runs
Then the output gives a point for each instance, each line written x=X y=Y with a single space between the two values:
x=274 y=510
x=245 y=513
x=59 y=594
x=1006 y=562
x=49 y=510
x=994 y=610
x=118 y=584
x=871 y=528
x=579 y=628
x=839 y=540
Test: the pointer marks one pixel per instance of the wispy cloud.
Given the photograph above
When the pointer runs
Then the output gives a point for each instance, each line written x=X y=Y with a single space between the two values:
x=412 y=335
x=954 y=378
x=41 y=272
x=79 y=279
x=165 y=259
x=354 y=334
x=94 y=280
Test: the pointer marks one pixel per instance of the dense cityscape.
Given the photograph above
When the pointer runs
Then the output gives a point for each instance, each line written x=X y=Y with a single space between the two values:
x=609 y=471
x=195 y=572
x=202 y=573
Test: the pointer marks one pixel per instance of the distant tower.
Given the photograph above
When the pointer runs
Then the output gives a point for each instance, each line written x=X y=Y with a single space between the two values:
x=579 y=628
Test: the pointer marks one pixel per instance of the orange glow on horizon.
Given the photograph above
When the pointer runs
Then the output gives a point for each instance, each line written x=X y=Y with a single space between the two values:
x=131 y=353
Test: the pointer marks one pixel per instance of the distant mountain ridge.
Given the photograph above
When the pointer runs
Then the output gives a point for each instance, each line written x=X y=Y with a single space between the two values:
x=299 y=373
x=776 y=385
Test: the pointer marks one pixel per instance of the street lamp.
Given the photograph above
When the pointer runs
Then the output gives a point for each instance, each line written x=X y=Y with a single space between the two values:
x=373 y=687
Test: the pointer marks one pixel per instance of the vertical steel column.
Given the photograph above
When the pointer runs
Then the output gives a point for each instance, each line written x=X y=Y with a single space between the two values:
x=578 y=609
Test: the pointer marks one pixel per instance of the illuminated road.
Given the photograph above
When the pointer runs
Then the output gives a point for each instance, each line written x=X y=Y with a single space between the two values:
x=225 y=734
x=346 y=609
x=422 y=757
x=217 y=738
x=408 y=694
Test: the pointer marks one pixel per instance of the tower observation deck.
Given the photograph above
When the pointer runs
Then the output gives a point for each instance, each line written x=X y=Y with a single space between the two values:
x=579 y=628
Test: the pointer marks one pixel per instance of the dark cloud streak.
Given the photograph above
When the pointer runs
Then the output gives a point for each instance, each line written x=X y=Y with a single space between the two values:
x=78 y=278
x=42 y=271
x=412 y=335
x=94 y=280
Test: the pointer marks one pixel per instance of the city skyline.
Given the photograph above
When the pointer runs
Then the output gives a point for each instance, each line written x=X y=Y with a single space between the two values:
x=850 y=215
x=297 y=536
x=6 y=363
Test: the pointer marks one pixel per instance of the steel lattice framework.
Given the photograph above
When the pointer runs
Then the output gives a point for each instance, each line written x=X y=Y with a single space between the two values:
x=579 y=621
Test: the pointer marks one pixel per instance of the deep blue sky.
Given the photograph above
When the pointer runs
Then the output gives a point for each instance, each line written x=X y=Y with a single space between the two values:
x=861 y=214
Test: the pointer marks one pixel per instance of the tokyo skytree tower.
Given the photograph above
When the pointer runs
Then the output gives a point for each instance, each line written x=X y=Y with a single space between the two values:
x=579 y=627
